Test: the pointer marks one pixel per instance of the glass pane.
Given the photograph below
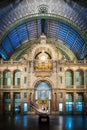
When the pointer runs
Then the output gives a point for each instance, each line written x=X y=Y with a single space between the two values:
x=79 y=76
x=22 y=32
x=43 y=91
x=17 y=107
x=7 y=107
x=69 y=77
x=25 y=107
x=79 y=106
x=69 y=106
x=60 y=107
x=13 y=35
x=17 y=78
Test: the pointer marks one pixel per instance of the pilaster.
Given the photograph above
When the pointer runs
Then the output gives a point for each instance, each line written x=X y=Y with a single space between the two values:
x=1 y=103
x=85 y=102
x=74 y=98
x=21 y=97
x=74 y=80
x=64 y=99
x=12 y=102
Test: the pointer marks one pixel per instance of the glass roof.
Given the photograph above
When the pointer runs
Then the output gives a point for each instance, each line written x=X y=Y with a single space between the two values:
x=33 y=29
x=16 y=27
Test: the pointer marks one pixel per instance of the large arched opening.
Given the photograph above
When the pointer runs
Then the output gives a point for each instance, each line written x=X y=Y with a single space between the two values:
x=43 y=94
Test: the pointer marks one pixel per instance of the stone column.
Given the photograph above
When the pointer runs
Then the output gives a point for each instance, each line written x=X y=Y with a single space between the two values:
x=21 y=103
x=12 y=76
x=1 y=103
x=74 y=96
x=85 y=102
x=55 y=101
x=74 y=80
x=64 y=100
x=63 y=76
x=32 y=66
x=30 y=99
x=12 y=102
x=84 y=79
x=33 y=100
x=1 y=79
x=52 y=103
x=29 y=66
x=54 y=66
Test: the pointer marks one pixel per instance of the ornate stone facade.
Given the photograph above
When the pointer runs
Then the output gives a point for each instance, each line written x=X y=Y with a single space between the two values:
x=67 y=80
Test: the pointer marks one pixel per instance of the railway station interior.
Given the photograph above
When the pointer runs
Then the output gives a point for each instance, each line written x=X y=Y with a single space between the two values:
x=43 y=56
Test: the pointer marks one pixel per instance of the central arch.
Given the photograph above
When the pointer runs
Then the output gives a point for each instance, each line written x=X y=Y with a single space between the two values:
x=43 y=94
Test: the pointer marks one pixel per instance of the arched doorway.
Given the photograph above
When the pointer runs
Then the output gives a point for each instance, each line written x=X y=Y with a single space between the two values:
x=43 y=94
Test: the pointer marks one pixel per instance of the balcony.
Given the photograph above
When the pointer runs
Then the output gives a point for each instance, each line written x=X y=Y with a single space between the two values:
x=7 y=86
x=80 y=86
x=17 y=100
x=69 y=100
x=10 y=86
x=69 y=86
x=43 y=66
x=16 y=86
x=7 y=100
x=79 y=100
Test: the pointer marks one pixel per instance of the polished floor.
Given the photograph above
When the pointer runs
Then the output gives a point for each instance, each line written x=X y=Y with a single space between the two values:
x=30 y=122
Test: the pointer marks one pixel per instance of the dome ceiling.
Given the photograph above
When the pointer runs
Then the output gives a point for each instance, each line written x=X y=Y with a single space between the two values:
x=57 y=19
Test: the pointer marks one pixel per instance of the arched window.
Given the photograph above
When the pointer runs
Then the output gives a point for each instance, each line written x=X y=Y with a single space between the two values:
x=79 y=77
x=43 y=91
x=17 y=78
x=7 y=78
x=69 y=77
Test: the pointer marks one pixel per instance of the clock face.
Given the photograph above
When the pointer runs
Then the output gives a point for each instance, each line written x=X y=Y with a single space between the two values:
x=43 y=58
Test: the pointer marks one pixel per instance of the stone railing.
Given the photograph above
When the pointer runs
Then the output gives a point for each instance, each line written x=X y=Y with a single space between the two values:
x=69 y=86
x=50 y=62
x=80 y=86
x=73 y=62
x=13 y=62
x=10 y=86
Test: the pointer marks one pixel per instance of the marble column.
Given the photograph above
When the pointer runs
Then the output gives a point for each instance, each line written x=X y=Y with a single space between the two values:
x=84 y=79
x=12 y=102
x=21 y=97
x=30 y=99
x=74 y=81
x=1 y=79
x=64 y=99
x=52 y=103
x=55 y=101
x=85 y=102
x=12 y=77
x=74 y=98
x=1 y=104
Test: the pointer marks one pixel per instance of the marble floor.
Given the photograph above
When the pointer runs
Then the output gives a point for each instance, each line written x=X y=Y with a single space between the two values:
x=30 y=122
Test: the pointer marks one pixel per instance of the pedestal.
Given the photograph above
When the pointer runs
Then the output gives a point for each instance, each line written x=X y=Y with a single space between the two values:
x=43 y=119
